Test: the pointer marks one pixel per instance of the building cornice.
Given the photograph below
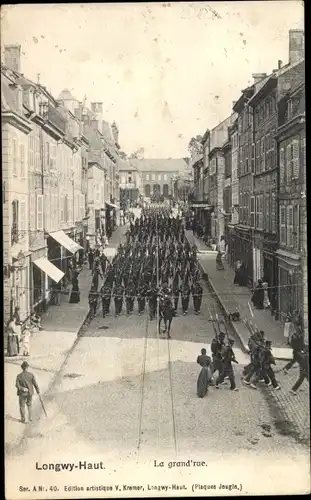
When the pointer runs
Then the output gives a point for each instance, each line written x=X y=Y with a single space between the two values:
x=213 y=151
x=289 y=128
x=17 y=121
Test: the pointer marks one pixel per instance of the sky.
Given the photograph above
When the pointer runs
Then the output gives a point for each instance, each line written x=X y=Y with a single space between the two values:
x=164 y=72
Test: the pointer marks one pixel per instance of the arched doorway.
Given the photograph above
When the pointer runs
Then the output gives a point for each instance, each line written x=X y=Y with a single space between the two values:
x=156 y=190
x=165 y=190
x=147 y=190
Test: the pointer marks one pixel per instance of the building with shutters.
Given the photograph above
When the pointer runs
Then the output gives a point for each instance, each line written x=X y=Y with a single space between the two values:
x=131 y=183
x=292 y=252
x=16 y=254
x=55 y=195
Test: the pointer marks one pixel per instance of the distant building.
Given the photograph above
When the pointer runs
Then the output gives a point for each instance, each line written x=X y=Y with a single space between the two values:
x=158 y=175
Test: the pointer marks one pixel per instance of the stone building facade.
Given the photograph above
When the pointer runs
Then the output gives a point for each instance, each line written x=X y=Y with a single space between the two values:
x=292 y=231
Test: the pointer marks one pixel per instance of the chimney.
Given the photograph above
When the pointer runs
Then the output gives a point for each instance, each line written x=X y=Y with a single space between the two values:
x=12 y=57
x=94 y=124
x=258 y=76
x=296 y=45
x=115 y=132
x=280 y=63
x=97 y=107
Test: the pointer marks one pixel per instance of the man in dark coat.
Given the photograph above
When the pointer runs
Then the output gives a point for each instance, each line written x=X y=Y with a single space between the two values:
x=25 y=384
x=217 y=347
x=258 y=295
x=197 y=294
x=185 y=297
x=106 y=299
x=91 y=258
x=228 y=358
x=130 y=296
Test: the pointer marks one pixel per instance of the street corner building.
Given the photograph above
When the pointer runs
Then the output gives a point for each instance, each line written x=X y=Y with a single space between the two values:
x=60 y=185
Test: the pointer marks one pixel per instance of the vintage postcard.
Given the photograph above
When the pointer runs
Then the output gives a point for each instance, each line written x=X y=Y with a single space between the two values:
x=155 y=282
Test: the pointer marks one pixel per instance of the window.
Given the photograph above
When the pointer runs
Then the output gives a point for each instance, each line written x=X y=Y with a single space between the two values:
x=253 y=157
x=282 y=166
x=295 y=159
x=289 y=110
x=290 y=226
x=66 y=208
x=47 y=210
x=62 y=208
x=252 y=221
x=22 y=215
x=273 y=213
x=147 y=177
x=288 y=163
x=267 y=212
x=40 y=212
x=303 y=154
x=22 y=160
x=165 y=177
x=15 y=226
x=262 y=152
x=296 y=225
x=261 y=211
x=14 y=156
x=213 y=166
x=159 y=177
x=257 y=157
x=283 y=225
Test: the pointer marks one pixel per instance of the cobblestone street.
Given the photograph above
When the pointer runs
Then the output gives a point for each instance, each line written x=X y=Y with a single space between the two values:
x=102 y=405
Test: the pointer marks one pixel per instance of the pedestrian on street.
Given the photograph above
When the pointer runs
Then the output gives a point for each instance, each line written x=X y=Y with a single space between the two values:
x=227 y=368
x=25 y=384
x=265 y=371
x=91 y=258
x=297 y=344
x=258 y=295
x=205 y=375
x=118 y=299
x=13 y=338
x=26 y=337
x=219 y=262
x=106 y=299
x=93 y=301
x=217 y=347
x=185 y=297
x=304 y=367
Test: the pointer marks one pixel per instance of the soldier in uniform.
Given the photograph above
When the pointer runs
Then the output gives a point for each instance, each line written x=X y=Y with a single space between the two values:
x=197 y=293
x=130 y=297
x=106 y=299
x=217 y=346
x=141 y=298
x=228 y=358
x=118 y=298
x=93 y=300
x=152 y=300
x=185 y=297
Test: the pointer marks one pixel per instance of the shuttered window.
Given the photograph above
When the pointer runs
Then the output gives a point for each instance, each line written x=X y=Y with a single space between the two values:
x=14 y=157
x=252 y=210
x=253 y=157
x=263 y=155
x=295 y=159
x=257 y=157
x=22 y=160
x=32 y=211
x=261 y=211
x=297 y=227
x=257 y=211
x=22 y=215
x=283 y=225
x=40 y=212
x=290 y=226
x=31 y=152
x=47 y=210
x=273 y=213
x=282 y=166
x=62 y=208
x=288 y=163
x=267 y=212
x=303 y=154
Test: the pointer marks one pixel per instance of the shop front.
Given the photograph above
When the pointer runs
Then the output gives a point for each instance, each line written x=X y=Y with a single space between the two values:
x=19 y=276
x=242 y=249
x=38 y=281
x=290 y=296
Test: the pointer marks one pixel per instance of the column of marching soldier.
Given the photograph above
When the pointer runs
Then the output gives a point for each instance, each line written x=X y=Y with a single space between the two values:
x=156 y=260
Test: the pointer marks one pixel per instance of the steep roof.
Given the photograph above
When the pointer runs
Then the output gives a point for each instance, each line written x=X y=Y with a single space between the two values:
x=160 y=165
x=8 y=97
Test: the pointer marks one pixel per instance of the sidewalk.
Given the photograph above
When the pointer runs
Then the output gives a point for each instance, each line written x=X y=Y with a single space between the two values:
x=291 y=413
x=233 y=297
x=49 y=350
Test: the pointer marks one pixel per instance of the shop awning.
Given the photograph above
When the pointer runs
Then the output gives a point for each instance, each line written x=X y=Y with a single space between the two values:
x=65 y=241
x=48 y=268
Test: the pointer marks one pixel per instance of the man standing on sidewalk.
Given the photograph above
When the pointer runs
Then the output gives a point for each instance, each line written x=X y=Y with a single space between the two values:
x=25 y=384
x=303 y=359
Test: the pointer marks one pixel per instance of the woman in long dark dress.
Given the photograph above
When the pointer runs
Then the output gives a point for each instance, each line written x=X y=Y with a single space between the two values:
x=237 y=276
x=75 y=292
x=258 y=295
x=205 y=375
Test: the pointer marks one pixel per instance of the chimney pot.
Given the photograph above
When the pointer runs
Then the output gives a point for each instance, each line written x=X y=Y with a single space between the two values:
x=12 y=57
x=258 y=76
x=296 y=45
x=97 y=107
